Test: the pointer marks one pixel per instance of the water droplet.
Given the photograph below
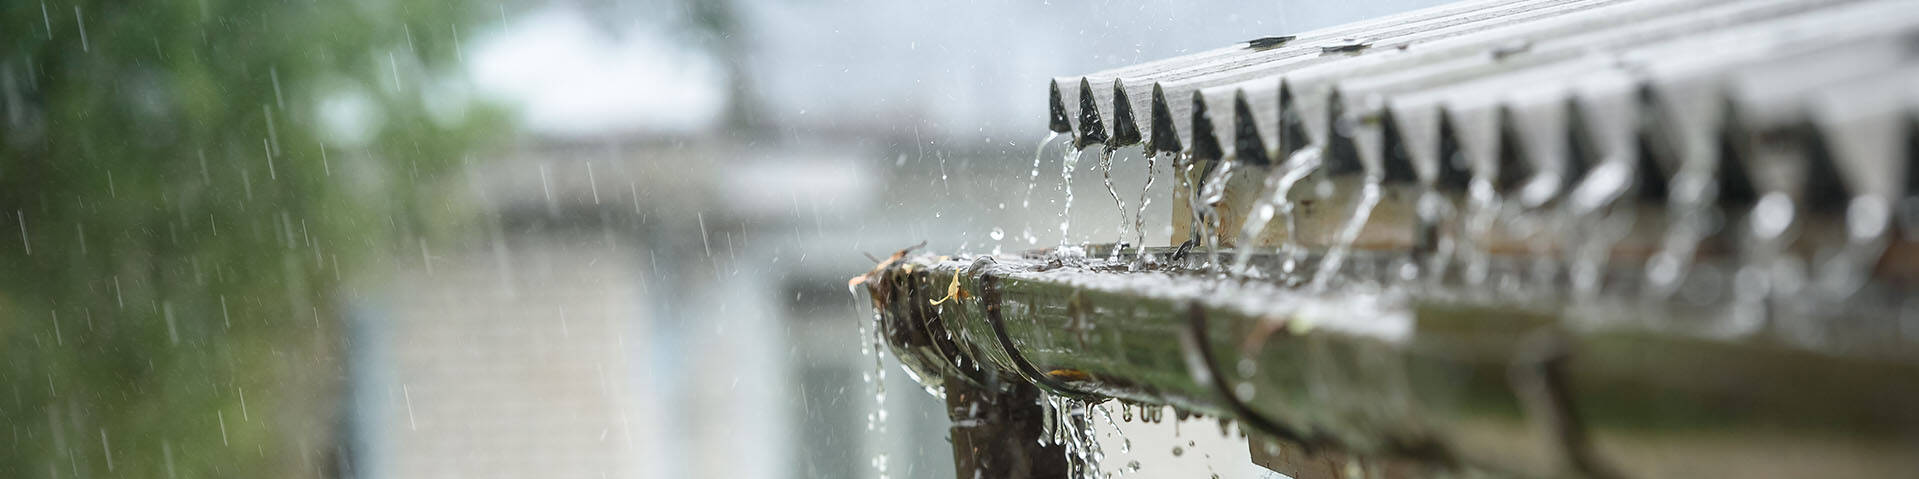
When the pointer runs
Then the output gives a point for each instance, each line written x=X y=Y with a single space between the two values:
x=997 y=234
x=1772 y=216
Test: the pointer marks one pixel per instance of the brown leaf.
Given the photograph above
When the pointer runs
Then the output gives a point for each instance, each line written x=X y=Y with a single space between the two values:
x=874 y=273
x=952 y=291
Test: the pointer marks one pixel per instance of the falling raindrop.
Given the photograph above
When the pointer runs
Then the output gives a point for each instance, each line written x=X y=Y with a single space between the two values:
x=25 y=243
x=704 y=242
x=81 y=20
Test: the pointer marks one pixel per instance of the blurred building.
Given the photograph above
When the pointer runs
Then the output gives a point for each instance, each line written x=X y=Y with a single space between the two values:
x=638 y=311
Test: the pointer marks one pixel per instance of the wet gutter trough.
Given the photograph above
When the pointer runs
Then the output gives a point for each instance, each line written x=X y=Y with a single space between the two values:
x=1418 y=381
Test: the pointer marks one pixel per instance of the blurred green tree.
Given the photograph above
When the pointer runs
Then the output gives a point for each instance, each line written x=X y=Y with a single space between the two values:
x=182 y=184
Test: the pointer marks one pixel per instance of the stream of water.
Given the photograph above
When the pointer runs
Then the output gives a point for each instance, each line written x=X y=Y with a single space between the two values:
x=1139 y=217
x=1212 y=192
x=1106 y=174
x=1066 y=184
x=1273 y=199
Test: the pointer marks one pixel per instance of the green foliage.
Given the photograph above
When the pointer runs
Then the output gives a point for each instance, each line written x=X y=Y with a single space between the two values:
x=177 y=219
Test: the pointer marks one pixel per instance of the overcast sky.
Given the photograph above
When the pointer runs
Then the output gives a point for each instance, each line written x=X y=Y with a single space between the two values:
x=954 y=68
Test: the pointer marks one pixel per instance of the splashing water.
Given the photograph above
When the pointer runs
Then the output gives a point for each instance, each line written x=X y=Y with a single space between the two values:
x=1106 y=173
x=1183 y=165
x=1768 y=270
x=1066 y=183
x=1482 y=213
x=1126 y=445
x=1068 y=425
x=1691 y=221
x=1290 y=249
x=1598 y=222
x=1212 y=191
x=1868 y=226
x=1273 y=199
x=1343 y=245
x=1139 y=217
x=1434 y=214
x=1537 y=227
x=1107 y=414
x=1593 y=244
